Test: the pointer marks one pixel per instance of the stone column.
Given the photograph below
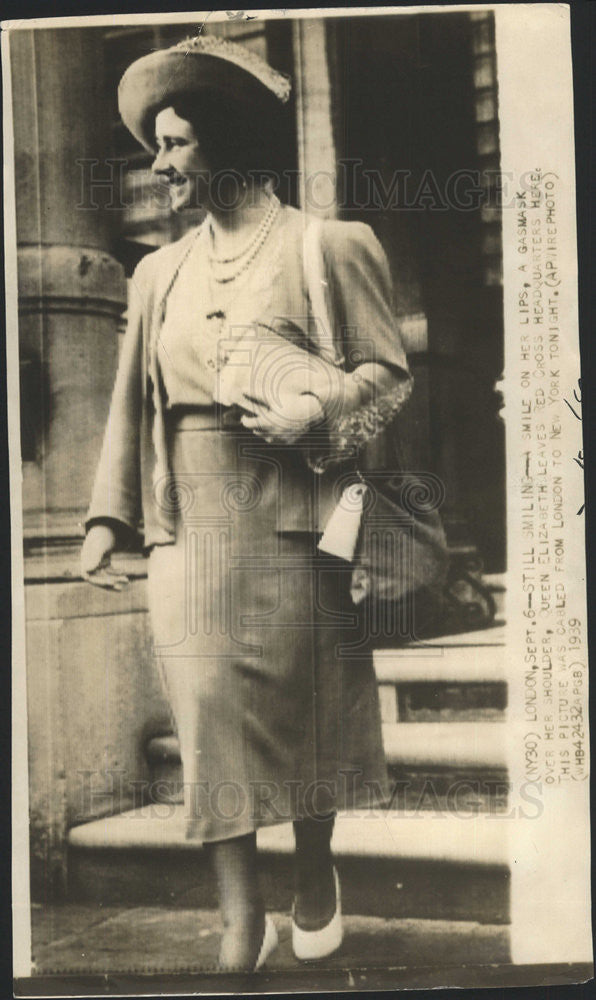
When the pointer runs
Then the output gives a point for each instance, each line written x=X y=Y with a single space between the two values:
x=71 y=290
x=93 y=694
x=316 y=147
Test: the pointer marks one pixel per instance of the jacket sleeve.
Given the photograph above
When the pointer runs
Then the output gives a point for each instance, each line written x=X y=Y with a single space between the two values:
x=377 y=380
x=116 y=492
x=361 y=297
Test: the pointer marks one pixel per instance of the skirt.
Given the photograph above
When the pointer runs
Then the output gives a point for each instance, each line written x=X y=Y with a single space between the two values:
x=264 y=660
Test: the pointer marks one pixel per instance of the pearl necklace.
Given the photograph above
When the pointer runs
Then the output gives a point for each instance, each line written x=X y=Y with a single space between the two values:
x=248 y=254
x=255 y=246
x=273 y=206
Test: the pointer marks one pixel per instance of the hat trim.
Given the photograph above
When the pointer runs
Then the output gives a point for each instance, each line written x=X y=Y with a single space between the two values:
x=278 y=83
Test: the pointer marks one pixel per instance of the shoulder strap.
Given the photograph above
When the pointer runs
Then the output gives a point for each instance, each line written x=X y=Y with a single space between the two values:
x=316 y=283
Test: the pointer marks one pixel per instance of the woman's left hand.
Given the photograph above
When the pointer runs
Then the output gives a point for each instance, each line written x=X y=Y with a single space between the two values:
x=292 y=416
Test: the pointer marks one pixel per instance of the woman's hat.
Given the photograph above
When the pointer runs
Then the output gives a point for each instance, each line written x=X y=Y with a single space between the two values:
x=200 y=65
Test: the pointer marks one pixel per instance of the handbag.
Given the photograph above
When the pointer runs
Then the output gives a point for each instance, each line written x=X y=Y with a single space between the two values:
x=401 y=545
x=386 y=522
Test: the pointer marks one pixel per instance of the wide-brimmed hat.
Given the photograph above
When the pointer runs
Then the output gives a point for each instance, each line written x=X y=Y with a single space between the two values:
x=201 y=65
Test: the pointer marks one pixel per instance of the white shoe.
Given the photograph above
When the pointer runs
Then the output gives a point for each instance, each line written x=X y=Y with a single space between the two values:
x=270 y=942
x=310 y=945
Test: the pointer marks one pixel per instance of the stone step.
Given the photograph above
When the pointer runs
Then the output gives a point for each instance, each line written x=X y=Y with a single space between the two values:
x=478 y=745
x=470 y=658
x=421 y=865
x=452 y=678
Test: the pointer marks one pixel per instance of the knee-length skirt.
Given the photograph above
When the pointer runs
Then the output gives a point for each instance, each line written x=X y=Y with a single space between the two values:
x=264 y=659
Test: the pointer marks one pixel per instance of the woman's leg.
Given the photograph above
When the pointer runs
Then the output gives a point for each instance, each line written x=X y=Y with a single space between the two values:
x=234 y=862
x=315 y=902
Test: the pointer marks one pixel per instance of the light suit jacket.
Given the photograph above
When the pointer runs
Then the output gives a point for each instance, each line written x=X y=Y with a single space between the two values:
x=133 y=467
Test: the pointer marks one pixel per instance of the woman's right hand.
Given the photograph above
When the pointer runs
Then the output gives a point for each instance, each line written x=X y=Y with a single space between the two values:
x=96 y=553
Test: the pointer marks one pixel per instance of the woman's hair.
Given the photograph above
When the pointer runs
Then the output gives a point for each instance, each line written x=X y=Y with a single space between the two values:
x=234 y=136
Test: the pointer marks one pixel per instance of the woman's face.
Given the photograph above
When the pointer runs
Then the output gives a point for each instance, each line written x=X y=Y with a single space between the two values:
x=179 y=160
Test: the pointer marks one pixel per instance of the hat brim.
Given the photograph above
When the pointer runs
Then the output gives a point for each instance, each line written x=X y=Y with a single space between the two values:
x=152 y=81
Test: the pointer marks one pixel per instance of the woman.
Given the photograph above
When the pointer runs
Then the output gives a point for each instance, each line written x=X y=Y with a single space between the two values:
x=232 y=429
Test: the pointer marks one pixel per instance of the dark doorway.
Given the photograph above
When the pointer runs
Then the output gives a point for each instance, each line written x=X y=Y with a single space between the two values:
x=417 y=137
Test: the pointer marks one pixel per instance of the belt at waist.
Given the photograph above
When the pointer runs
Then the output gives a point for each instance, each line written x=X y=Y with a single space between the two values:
x=203 y=418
